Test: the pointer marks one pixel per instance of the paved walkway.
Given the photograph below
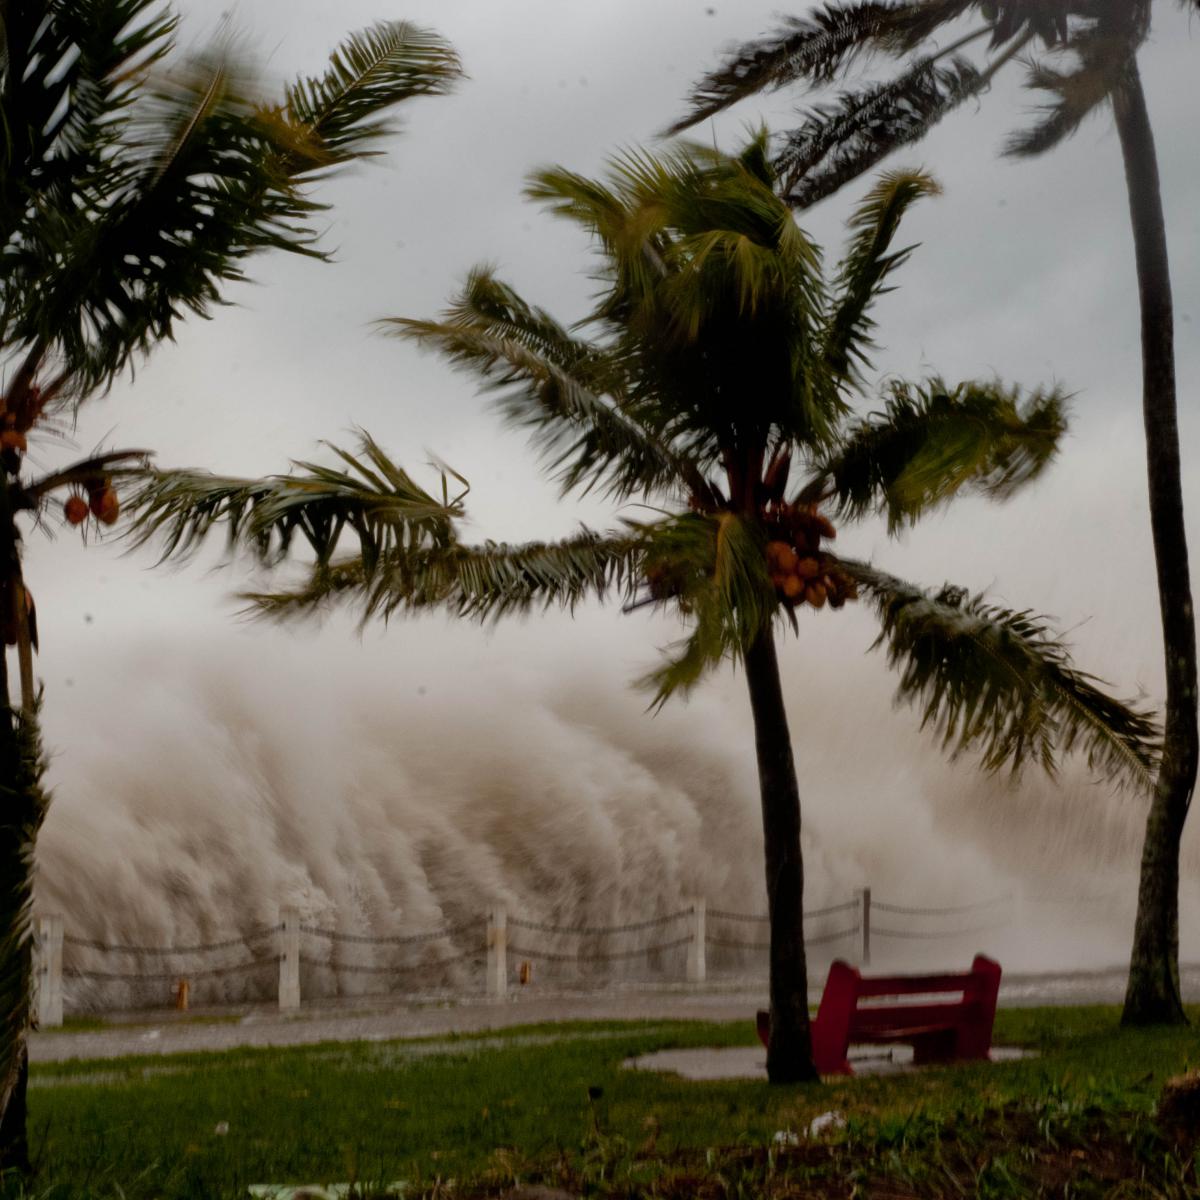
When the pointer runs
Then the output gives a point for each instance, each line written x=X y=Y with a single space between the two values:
x=171 y=1033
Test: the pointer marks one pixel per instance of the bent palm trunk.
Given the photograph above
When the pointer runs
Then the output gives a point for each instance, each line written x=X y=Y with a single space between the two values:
x=22 y=810
x=789 y=1052
x=1152 y=995
x=23 y=806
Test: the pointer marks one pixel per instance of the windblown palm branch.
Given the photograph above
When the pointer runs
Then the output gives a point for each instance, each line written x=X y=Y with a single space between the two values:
x=166 y=198
x=999 y=682
x=484 y=582
x=842 y=139
x=369 y=495
x=716 y=354
x=932 y=442
x=1082 y=56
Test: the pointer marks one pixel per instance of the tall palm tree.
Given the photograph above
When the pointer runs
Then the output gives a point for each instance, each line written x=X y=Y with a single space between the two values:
x=718 y=355
x=132 y=189
x=1088 y=60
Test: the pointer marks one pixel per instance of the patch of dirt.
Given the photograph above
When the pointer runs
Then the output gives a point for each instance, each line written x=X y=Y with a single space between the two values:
x=1010 y=1151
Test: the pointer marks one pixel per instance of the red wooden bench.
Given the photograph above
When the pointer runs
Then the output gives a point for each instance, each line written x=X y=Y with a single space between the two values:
x=937 y=1028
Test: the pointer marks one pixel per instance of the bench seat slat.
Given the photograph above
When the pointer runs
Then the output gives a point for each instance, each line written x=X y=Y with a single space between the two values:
x=907 y=985
x=944 y=1016
x=905 y=1034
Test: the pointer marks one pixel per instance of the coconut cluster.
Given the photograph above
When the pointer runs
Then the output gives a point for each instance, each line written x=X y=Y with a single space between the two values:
x=800 y=571
x=101 y=502
x=16 y=423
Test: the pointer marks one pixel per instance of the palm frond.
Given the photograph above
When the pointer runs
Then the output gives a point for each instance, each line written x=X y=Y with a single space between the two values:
x=713 y=569
x=630 y=215
x=618 y=214
x=482 y=582
x=370 y=72
x=687 y=661
x=97 y=470
x=192 y=190
x=868 y=263
x=367 y=494
x=815 y=49
x=1000 y=683
x=183 y=187
x=69 y=70
x=933 y=442
x=569 y=393
x=1076 y=93
x=838 y=142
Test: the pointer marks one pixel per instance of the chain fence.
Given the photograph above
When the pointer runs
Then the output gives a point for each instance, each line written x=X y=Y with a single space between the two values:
x=323 y=961
x=599 y=930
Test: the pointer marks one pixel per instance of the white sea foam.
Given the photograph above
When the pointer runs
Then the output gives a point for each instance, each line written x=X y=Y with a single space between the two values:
x=420 y=778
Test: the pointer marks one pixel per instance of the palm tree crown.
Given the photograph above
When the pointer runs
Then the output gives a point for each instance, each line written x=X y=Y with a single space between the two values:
x=131 y=192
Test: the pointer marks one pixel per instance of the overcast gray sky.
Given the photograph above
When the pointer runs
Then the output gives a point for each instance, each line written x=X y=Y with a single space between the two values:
x=1025 y=271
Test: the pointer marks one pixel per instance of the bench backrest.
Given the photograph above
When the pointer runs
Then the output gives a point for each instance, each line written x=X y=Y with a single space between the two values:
x=841 y=1019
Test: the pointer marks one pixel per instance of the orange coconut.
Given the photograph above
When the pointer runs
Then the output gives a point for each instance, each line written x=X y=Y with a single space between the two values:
x=106 y=506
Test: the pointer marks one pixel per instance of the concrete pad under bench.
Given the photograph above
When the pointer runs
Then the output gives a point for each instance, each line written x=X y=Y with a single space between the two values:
x=750 y=1062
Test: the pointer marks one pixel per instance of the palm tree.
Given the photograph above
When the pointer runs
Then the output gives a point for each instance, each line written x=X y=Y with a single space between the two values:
x=131 y=192
x=1096 y=44
x=719 y=356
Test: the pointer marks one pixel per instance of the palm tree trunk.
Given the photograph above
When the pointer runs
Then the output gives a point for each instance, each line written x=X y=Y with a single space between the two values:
x=789 y=1052
x=22 y=814
x=19 y=795
x=1152 y=995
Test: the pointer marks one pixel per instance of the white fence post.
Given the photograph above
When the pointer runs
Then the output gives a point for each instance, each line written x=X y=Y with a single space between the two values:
x=497 y=952
x=289 y=958
x=48 y=972
x=865 y=926
x=697 y=967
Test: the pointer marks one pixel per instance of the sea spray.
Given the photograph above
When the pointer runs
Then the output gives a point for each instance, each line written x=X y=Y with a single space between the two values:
x=418 y=779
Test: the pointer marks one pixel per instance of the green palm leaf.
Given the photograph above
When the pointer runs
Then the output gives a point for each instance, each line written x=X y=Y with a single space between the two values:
x=482 y=582
x=710 y=290
x=840 y=141
x=998 y=682
x=868 y=263
x=569 y=393
x=370 y=72
x=69 y=71
x=816 y=48
x=367 y=494
x=1076 y=93
x=715 y=568
x=933 y=442
x=182 y=188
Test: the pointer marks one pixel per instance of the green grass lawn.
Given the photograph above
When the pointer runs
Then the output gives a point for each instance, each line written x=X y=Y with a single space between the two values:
x=477 y=1113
